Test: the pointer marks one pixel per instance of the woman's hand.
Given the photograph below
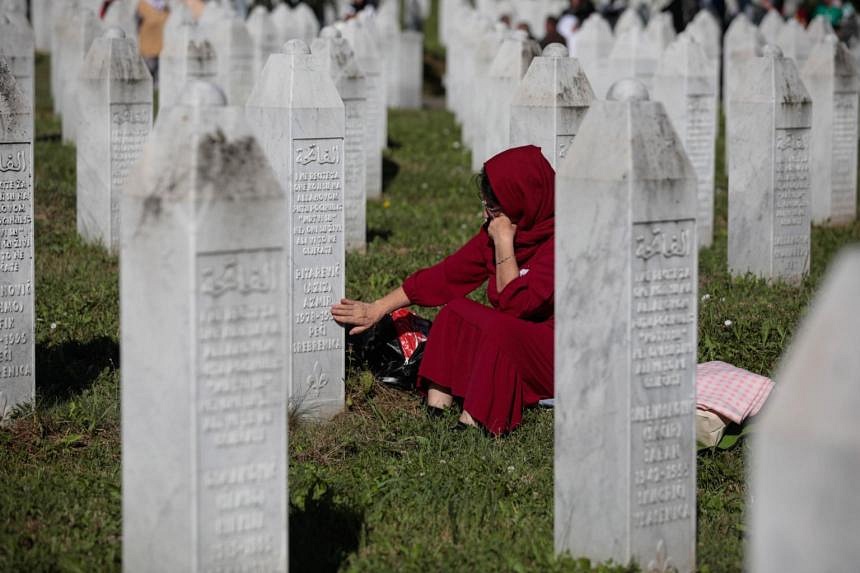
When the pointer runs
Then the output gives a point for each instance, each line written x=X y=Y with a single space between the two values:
x=501 y=230
x=362 y=315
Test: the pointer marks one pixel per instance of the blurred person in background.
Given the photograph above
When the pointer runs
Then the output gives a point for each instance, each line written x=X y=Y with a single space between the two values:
x=551 y=35
x=571 y=20
x=151 y=17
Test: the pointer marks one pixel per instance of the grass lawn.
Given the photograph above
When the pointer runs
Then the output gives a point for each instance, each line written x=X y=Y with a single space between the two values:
x=381 y=488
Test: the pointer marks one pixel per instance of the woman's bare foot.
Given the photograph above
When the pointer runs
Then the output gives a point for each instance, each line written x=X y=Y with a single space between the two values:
x=466 y=418
x=438 y=397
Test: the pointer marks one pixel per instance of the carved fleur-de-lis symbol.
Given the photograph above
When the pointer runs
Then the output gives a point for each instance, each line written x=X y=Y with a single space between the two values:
x=317 y=380
x=661 y=562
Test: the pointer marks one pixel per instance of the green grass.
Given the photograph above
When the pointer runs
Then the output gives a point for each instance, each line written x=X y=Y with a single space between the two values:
x=381 y=488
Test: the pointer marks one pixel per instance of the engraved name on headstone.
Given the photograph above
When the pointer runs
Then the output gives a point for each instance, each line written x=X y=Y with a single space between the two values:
x=831 y=77
x=17 y=288
x=205 y=488
x=769 y=173
x=116 y=117
x=626 y=268
x=299 y=118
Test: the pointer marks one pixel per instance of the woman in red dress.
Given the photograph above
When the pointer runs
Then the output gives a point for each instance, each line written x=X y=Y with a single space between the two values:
x=495 y=360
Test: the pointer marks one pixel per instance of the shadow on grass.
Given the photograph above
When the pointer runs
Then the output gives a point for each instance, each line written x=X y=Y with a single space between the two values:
x=323 y=534
x=374 y=233
x=390 y=169
x=68 y=369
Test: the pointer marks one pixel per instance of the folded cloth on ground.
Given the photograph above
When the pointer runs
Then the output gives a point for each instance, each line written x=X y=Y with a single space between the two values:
x=709 y=428
x=731 y=392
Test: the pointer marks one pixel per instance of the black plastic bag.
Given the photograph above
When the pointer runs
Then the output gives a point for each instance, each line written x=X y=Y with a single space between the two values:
x=393 y=348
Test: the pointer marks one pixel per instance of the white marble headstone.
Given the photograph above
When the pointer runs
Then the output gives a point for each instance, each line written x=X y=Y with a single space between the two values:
x=335 y=55
x=771 y=25
x=235 y=57
x=187 y=56
x=508 y=67
x=550 y=103
x=40 y=15
x=818 y=29
x=685 y=86
x=804 y=511
x=115 y=91
x=123 y=14
x=17 y=286
x=203 y=298
x=299 y=119
x=769 y=173
x=594 y=42
x=264 y=35
x=410 y=70
x=794 y=42
x=630 y=18
x=370 y=61
x=660 y=31
x=742 y=42
x=17 y=47
x=625 y=338
x=633 y=56
x=831 y=77
x=83 y=28
x=476 y=118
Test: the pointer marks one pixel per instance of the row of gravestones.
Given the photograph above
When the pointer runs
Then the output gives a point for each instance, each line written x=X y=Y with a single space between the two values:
x=247 y=323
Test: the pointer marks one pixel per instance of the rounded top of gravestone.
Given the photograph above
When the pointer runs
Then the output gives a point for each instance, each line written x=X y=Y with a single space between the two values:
x=330 y=33
x=296 y=48
x=628 y=90
x=555 y=51
x=772 y=51
x=203 y=94
x=520 y=35
x=831 y=39
x=115 y=33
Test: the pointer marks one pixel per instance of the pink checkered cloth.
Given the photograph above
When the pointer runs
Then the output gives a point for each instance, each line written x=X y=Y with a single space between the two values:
x=731 y=392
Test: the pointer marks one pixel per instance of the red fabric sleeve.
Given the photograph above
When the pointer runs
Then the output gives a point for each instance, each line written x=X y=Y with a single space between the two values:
x=454 y=277
x=530 y=296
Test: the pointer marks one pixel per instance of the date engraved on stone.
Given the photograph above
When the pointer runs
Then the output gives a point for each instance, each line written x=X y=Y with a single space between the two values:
x=241 y=407
x=16 y=272
x=791 y=225
x=317 y=277
x=663 y=361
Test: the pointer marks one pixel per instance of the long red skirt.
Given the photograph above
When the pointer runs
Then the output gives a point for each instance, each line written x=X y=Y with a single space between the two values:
x=496 y=363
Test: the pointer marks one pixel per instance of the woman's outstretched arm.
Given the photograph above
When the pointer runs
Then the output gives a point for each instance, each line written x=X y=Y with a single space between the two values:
x=363 y=315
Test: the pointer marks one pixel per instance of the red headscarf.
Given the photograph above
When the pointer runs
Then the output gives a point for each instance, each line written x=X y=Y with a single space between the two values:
x=524 y=183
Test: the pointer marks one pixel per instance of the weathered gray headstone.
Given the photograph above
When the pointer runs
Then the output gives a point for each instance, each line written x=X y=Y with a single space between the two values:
x=17 y=47
x=264 y=35
x=794 y=42
x=203 y=264
x=187 y=56
x=550 y=103
x=684 y=84
x=706 y=29
x=830 y=76
x=299 y=119
x=769 y=196
x=633 y=56
x=410 y=70
x=630 y=18
x=116 y=118
x=771 y=25
x=818 y=29
x=508 y=68
x=40 y=15
x=741 y=43
x=235 y=57
x=593 y=45
x=83 y=28
x=17 y=287
x=334 y=54
x=476 y=118
x=370 y=62
x=804 y=509
x=626 y=268
x=123 y=14
x=660 y=31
